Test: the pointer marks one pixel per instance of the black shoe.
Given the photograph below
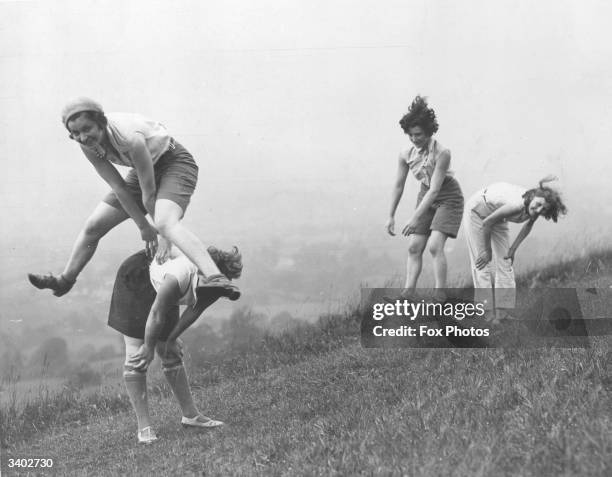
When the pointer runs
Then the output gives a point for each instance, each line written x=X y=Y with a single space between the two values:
x=221 y=282
x=60 y=286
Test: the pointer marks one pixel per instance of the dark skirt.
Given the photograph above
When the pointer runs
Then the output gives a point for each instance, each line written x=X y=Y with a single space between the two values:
x=133 y=296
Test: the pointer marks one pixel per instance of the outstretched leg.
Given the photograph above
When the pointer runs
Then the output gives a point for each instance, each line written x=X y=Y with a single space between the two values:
x=100 y=222
x=167 y=220
x=103 y=219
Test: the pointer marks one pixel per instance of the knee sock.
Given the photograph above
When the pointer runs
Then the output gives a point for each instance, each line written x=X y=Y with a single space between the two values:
x=136 y=386
x=177 y=378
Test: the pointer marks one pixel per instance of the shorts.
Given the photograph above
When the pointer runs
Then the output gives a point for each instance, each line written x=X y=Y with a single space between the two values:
x=133 y=296
x=446 y=212
x=176 y=176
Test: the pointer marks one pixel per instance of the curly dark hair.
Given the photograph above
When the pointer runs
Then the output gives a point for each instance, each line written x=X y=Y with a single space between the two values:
x=555 y=208
x=95 y=116
x=420 y=114
x=228 y=262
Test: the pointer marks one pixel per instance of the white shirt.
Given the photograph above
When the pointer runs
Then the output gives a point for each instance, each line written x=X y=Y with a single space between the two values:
x=422 y=162
x=121 y=129
x=185 y=272
x=502 y=193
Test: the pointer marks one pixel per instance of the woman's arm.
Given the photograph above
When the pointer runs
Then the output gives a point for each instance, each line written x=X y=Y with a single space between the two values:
x=112 y=177
x=495 y=217
x=143 y=164
x=525 y=230
x=192 y=313
x=396 y=195
x=168 y=295
x=435 y=185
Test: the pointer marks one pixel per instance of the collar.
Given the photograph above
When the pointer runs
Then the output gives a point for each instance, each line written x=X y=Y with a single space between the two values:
x=427 y=148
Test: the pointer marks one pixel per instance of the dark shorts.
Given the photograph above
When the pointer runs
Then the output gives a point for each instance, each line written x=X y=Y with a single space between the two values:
x=176 y=176
x=133 y=296
x=445 y=213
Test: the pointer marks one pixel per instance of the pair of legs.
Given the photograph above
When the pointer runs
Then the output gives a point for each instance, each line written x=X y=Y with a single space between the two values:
x=167 y=221
x=414 y=264
x=171 y=356
x=494 y=284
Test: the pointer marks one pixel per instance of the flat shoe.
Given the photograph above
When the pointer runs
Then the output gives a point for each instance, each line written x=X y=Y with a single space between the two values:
x=60 y=286
x=147 y=435
x=221 y=283
x=196 y=422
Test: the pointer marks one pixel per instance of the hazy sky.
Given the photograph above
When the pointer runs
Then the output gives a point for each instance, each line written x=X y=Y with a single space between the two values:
x=291 y=107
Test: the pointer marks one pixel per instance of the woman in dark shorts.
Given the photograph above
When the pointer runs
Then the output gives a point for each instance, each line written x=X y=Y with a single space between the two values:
x=161 y=183
x=145 y=310
x=440 y=200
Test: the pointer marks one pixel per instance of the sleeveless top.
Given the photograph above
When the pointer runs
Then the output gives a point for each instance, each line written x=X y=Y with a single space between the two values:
x=121 y=131
x=422 y=162
x=185 y=272
x=502 y=193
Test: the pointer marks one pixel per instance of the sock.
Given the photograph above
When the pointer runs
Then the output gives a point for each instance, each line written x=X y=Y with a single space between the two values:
x=177 y=378
x=136 y=386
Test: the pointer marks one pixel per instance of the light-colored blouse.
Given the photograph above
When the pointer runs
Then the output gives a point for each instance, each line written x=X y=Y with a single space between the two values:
x=422 y=162
x=501 y=193
x=121 y=131
x=185 y=272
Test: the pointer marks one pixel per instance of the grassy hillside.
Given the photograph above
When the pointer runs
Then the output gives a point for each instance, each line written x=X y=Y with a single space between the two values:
x=312 y=401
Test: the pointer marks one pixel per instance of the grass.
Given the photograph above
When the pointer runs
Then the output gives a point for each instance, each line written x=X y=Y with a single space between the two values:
x=313 y=402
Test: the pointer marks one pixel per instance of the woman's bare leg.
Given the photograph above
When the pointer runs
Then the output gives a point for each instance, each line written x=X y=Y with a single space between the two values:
x=103 y=219
x=100 y=222
x=167 y=220
x=436 y=243
x=414 y=263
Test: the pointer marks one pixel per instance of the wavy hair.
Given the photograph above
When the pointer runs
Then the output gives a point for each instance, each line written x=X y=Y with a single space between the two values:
x=420 y=114
x=555 y=208
x=228 y=262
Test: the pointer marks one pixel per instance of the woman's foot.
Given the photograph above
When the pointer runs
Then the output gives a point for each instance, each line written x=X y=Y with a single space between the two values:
x=201 y=421
x=220 y=282
x=407 y=294
x=60 y=286
x=490 y=317
x=504 y=315
x=147 y=435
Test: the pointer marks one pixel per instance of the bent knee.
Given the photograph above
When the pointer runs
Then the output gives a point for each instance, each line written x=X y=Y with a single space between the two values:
x=130 y=372
x=94 y=228
x=505 y=266
x=171 y=354
x=415 y=249
x=165 y=225
x=436 y=250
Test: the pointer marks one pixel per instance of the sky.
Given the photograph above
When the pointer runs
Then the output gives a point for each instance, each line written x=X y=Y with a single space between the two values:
x=291 y=108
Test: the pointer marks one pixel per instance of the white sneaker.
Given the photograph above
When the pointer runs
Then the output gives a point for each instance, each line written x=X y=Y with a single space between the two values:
x=146 y=435
x=200 y=421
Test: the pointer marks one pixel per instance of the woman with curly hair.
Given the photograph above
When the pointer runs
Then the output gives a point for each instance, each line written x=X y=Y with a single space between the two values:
x=486 y=219
x=439 y=202
x=145 y=310
x=161 y=181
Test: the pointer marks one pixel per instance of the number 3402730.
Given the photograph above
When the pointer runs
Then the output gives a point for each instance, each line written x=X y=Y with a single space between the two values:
x=28 y=463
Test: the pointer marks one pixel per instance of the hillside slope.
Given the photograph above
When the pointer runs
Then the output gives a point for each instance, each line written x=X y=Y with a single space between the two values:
x=339 y=409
